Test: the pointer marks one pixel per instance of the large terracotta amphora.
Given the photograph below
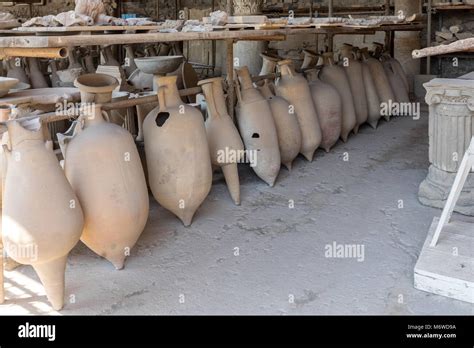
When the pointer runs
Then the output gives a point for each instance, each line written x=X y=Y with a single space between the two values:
x=269 y=63
x=103 y=166
x=373 y=101
x=337 y=77
x=177 y=153
x=4 y=117
x=354 y=73
x=286 y=123
x=328 y=104
x=382 y=84
x=398 y=87
x=294 y=88
x=384 y=56
x=396 y=81
x=41 y=218
x=257 y=128
x=225 y=145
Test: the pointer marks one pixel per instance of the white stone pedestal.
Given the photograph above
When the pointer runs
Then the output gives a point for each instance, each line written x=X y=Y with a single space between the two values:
x=451 y=127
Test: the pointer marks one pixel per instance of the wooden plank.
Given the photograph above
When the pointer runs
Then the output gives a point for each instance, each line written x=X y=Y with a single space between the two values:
x=448 y=268
x=105 y=39
x=466 y=45
x=88 y=28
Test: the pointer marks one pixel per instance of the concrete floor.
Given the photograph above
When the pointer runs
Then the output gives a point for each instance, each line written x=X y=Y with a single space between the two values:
x=281 y=251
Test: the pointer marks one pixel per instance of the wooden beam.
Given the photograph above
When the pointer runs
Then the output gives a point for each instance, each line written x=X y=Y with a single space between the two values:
x=466 y=45
x=111 y=39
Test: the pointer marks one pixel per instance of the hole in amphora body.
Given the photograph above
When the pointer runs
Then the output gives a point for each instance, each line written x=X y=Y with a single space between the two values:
x=161 y=118
x=255 y=136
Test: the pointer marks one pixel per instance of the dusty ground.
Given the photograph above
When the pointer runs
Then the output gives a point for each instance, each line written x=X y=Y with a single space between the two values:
x=281 y=266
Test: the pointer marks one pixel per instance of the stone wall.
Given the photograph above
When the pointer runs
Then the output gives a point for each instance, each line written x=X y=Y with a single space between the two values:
x=446 y=65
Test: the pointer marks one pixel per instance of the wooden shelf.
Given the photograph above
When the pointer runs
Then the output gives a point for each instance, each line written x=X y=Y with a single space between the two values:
x=450 y=7
x=89 y=38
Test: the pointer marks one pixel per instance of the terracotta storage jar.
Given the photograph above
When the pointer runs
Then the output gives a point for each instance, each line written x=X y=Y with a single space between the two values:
x=257 y=128
x=294 y=88
x=337 y=77
x=41 y=217
x=225 y=145
x=329 y=108
x=177 y=153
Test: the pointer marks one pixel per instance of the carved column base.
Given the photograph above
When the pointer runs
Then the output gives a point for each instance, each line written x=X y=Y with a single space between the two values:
x=434 y=191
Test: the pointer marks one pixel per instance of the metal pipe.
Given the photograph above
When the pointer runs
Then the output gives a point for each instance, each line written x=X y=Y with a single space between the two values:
x=55 y=52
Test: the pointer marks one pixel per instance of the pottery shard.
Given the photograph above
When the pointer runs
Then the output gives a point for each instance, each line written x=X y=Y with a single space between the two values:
x=70 y=18
x=46 y=21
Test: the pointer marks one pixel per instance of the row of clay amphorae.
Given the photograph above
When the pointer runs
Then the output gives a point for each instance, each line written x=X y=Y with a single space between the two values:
x=301 y=114
x=99 y=196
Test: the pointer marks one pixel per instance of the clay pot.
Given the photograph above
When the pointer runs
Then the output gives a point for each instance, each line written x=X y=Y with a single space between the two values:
x=395 y=67
x=396 y=82
x=96 y=88
x=129 y=66
x=6 y=84
x=382 y=84
x=89 y=62
x=16 y=70
x=142 y=111
x=72 y=57
x=269 y=63
x=328 y=104
x=177 y=153
x=103 y=166
x=222 y=136
x=141 y=80
x=42 y=216
x=337 y=77
x=109 y=58
x=294 y=88
x=310 y=59
x=257 y=128
x=286 y=123
x=4 y=117
x=118 y=116
x=354 y=73
x=55 y=81
x=36 y=76
x=373 y=101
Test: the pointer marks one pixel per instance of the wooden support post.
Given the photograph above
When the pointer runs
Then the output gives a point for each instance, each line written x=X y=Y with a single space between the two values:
x=466 y=165
x=387 y=7
x=230 y=77
x=330 y=14
x=428 y=37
